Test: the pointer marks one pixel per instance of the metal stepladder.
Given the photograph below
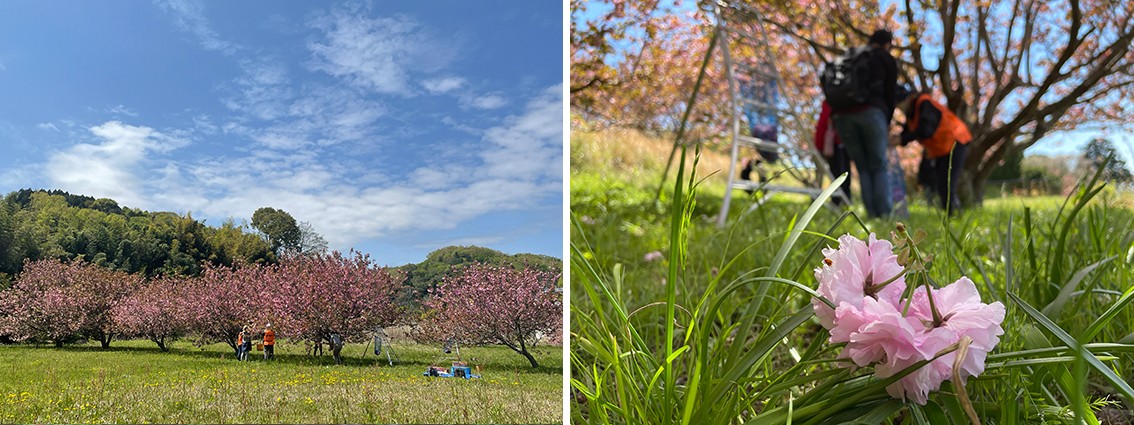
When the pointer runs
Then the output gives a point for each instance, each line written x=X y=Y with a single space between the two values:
x=382 y=343
x=754 y=82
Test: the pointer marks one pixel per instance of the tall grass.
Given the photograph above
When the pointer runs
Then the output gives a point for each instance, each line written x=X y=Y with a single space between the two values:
x=720 y=330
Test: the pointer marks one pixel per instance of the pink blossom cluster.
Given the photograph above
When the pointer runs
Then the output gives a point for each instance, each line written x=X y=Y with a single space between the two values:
x=865 y=283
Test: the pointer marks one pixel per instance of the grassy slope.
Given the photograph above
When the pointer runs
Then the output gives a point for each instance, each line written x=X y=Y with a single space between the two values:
x=614 y=180
x=134 y=382
x=614 y=177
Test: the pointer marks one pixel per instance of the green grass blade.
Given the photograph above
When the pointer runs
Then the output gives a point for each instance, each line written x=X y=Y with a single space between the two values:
x=802 y=224
x=936 y=414
x=1096 y=347
x=761 y=348
x=1058 y=257
x=1040 y=361
x=1009 y=266
x=676 y=254
x=880 y=413
x=1055 y=307
x=774 y=268
x=1109 y=314
x=1121 y=385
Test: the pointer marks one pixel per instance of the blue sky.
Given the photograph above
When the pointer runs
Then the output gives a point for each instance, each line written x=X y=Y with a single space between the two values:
x=395 y=128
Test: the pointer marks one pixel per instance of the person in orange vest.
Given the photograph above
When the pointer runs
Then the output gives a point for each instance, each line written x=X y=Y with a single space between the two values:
x=945 y=139
x=269 y=342
x=243 y=344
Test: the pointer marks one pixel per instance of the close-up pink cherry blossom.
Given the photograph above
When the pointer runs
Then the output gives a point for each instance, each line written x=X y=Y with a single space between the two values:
x=892 y=334
x=853 y=271
x=962 y=314
x=876 y=332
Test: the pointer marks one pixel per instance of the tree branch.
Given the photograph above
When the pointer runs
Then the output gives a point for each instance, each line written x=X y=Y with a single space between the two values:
x=948 y=12
x=592 y=83
x=915 y=47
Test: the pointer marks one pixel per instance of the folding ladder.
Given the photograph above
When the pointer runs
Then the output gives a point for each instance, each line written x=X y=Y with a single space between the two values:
x=754 y=83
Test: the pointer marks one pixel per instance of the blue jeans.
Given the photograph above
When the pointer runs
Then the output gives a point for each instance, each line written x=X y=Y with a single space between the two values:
x=865 y=135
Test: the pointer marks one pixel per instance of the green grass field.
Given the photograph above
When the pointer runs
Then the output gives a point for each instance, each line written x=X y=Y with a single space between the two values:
x=1074 y=264
x=135 y=382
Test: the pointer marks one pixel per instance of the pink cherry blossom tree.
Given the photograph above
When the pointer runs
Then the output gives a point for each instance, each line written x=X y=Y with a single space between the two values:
x=37 y=308
x=496 y=305
x=219 y=303
x=58 y=301
x=313 y=297
x=155 y=311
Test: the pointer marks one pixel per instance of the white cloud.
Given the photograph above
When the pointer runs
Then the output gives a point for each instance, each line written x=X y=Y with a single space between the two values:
x=528 y=146
x=122 y=110
x=449 y=121
x=18 y=176
x=264 y=89
x=275 y=139
x=334 y=115
x=189 y=16
x=380 y=55
x=489 y=101
x=515 y=164
x=47 y=126
x=519 y=166
x=433 y=178
x=204 y=125
x=108 y=169
x=443 y=85
x=297 y=118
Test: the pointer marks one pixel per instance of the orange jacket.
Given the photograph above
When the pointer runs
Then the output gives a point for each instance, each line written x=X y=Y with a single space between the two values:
x=950 y=129
x=240 y=338
x=269 y=337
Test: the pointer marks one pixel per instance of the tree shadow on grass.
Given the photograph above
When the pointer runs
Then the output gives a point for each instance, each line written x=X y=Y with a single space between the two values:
x=350 y=357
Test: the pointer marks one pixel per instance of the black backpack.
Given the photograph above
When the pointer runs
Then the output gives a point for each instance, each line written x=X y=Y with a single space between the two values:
x=846 y=80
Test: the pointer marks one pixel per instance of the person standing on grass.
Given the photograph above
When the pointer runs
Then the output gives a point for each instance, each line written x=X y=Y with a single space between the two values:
x=337 y=347
x=829 y=145
x=242 y=344
x=269 y=342
x=945 y=139
x=864 y=128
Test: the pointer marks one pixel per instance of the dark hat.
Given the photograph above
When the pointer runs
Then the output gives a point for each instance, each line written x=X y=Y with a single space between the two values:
x=881 y=37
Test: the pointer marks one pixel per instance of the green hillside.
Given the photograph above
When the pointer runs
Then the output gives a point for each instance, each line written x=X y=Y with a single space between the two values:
x=39 y=224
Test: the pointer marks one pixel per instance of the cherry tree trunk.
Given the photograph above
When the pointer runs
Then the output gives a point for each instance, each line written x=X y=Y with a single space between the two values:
x=971 y=190
x=530 y=358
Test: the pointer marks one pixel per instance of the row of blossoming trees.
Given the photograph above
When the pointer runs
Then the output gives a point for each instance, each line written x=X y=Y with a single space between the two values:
x=304 y=298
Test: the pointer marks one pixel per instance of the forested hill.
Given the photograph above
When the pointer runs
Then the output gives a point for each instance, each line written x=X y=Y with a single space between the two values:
x=38 y=224
x=450 y=261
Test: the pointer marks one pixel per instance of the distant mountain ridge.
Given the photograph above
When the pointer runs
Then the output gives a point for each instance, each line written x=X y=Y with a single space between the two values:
x=449 y=261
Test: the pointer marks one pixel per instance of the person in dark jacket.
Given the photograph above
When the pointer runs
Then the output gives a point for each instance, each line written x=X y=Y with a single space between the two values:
x=829 y=145
x=864 y=129
x=945 y=139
